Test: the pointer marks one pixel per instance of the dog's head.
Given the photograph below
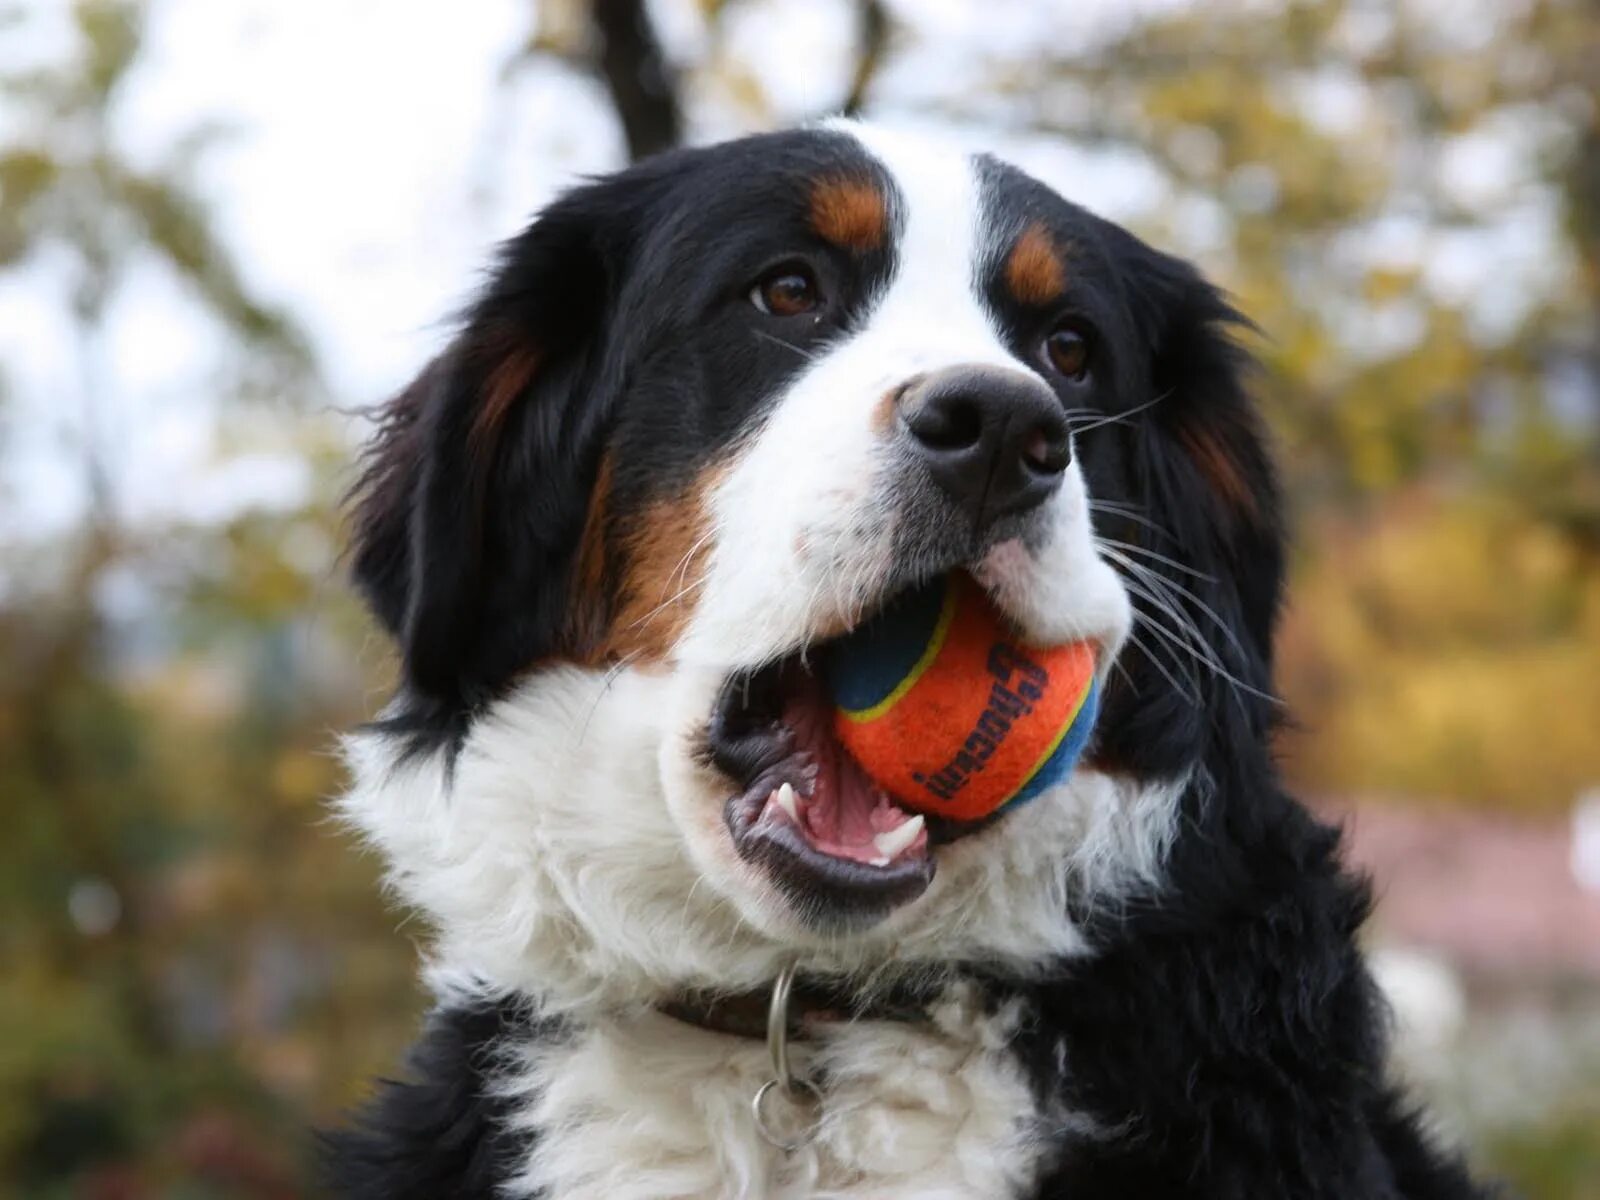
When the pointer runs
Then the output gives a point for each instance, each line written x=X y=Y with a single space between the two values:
x=708 y=414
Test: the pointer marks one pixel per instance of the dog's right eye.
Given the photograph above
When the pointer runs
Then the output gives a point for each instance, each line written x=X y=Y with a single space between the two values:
x=787 y=291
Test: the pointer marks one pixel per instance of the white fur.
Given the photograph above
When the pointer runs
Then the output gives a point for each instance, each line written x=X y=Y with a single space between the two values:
x=575 y=852
x=642 y=1106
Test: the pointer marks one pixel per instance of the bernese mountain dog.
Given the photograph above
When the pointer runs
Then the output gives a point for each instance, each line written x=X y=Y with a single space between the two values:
x=706 y=415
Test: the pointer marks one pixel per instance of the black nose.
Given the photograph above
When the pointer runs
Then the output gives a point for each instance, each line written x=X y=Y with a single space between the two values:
x=995 y=441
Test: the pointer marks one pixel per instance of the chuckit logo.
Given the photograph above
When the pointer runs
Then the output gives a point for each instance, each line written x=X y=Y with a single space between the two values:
x=1018 y=684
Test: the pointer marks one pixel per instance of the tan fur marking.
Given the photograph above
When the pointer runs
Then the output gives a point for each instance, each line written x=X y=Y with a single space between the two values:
x=850 y=212
x=589 y=576
x=1220 y=470
x=1035 y=272
x=667 y=557
x=507 y=379
x=882 y=419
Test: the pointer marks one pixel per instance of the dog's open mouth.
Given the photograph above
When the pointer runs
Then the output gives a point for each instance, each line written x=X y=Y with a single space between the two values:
x=805 y=810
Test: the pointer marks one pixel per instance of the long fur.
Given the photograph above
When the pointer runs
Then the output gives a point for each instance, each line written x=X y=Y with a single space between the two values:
x=627 y=484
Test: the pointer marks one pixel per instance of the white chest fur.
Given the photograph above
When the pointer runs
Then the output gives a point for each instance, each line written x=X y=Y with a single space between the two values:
x=652 y=1108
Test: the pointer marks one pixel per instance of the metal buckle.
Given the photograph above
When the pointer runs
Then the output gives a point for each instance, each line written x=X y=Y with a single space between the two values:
x=801 y=1093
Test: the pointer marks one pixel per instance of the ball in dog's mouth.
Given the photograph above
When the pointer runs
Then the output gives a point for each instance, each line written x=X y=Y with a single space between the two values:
x=834 y=841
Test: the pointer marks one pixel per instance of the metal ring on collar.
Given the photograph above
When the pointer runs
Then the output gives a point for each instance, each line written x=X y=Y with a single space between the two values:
x=783 y=1078
x=794 y=1090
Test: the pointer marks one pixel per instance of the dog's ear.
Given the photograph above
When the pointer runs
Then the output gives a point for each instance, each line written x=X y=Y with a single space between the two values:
x=470 y=510
x=1208 y=581
x=1207 y=464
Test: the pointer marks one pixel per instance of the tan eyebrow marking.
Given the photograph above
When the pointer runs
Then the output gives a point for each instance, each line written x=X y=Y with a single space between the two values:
x=850 y=212
x=1034 y=271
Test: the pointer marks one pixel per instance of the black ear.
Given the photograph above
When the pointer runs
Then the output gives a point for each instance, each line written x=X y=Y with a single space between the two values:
x=1211 y=572
x=1213 y=460
x=471 y=508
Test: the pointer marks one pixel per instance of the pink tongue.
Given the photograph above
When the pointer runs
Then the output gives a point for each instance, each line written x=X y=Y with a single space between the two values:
x=845 y=808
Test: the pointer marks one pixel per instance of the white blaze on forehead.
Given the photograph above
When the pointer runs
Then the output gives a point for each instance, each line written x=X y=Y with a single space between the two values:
x=933 y=311
x=802 y=535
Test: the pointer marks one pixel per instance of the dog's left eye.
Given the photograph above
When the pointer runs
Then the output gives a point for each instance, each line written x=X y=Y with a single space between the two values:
x=1068 y=350
x=787 y=291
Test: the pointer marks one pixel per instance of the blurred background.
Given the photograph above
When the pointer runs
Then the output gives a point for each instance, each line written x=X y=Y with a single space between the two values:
x=226 y=225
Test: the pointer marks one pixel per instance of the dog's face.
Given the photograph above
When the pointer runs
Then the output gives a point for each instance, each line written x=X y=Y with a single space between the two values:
x=712 y=412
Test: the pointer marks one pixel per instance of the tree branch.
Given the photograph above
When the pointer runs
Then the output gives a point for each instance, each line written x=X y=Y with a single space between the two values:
x=643 y=85
x=872 y=25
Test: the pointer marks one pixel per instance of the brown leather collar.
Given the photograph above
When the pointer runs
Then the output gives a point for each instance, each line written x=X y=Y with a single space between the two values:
x=812 y=1003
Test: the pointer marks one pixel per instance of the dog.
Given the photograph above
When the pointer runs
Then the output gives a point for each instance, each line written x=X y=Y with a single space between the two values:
x=706 y=415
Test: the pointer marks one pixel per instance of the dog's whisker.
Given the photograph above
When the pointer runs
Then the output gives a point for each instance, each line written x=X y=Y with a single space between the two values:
x=1130 y=512
x=1206 y=610
x=1181 y=636
x=613 y=673
x=1150 y=656
x=1156 y=556
x=1191 y=641
x=680 y=572
x=1118 y=418
x=1163 y=588
x=1182 y=626
x=808 y=355
x=1170 y=586
x=691 y=586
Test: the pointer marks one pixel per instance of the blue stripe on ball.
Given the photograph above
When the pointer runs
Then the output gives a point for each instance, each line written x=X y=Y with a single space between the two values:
x=865 y=666
x=1060 y=763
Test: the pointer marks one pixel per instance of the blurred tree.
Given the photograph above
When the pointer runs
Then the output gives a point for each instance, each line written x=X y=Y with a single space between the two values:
x=175 y=932
x=616 y=41
x=68 y=186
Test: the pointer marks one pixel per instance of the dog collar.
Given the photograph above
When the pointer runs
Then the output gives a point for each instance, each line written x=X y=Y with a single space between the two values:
x=791 y=1010
x=812 y=1004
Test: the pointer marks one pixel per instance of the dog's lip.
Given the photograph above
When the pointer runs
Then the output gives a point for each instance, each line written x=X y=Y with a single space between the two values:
x=802 y=810
x=811 y=874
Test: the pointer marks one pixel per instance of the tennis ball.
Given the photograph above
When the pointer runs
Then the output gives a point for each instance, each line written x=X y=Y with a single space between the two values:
x=948 y=712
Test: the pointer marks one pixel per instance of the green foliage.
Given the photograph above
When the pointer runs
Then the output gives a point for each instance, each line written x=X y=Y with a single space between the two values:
x=193 y=964
x=1559 y=1161
x=64 y=183
x=1462 y=622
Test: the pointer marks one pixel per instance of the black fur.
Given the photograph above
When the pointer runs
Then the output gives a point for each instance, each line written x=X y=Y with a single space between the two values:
x=1227 y=1039
x=1228 y=1035
x=441 y=1132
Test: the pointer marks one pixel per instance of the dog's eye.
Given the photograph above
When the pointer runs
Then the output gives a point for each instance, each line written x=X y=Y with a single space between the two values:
x=788 y=291
x=1068 y=349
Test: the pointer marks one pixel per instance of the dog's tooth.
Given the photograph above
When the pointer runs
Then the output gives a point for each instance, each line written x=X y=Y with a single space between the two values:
x=786 y=801
x=891 y=844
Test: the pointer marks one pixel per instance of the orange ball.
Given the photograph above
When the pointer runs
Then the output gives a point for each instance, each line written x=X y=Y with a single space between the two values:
x=948 y=712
